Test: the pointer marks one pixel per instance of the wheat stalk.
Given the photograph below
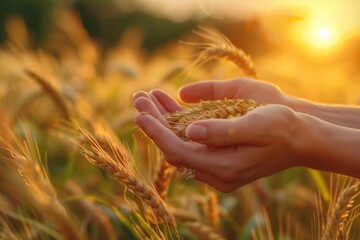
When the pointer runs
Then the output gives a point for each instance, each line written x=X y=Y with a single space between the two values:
x=212 y=210
x=203 y=231
x=340 y=212
x=97 y=214
x=25 y=158
x=7 y=230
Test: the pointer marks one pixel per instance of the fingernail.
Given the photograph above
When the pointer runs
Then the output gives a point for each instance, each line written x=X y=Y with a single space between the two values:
x=139 y=94
x=135 y=94
x=196 y=132
x=137 y=105
x=138 y=121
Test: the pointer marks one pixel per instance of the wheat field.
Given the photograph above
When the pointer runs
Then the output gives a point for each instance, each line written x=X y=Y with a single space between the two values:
x=74 y=165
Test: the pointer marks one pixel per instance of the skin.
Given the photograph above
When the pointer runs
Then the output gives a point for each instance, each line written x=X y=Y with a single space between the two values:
x=288 y=132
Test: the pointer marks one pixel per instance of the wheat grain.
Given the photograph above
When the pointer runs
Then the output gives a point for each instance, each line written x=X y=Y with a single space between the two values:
x=221 y=109
x=163 y=178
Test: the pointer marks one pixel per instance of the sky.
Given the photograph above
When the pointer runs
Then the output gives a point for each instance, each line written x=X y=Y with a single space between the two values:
x=342 y=15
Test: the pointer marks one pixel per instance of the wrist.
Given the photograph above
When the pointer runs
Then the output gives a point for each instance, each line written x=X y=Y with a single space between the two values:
x=312 y=141
x=300 y=142
x=327 y=147
x=307 y=140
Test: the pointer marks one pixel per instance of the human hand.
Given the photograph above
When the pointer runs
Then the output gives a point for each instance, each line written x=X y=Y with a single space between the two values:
x=259 y=91
x=256 y=145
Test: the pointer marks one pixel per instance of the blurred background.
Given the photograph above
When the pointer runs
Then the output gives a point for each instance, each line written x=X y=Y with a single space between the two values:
x=83 y=59
x=310 y=47
x=306 y=46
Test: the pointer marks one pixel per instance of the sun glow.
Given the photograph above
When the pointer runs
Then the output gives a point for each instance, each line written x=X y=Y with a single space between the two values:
x=321 y=36
x=325 y=33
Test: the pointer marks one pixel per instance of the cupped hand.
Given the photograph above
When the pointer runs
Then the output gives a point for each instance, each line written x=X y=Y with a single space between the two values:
x=256 y=145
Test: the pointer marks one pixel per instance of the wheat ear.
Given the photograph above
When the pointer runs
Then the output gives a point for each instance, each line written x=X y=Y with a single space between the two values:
x=52 y=91
x=340 y=212
x=220 y=47
x=121 y=170
x=228 y=52
x=25 y=157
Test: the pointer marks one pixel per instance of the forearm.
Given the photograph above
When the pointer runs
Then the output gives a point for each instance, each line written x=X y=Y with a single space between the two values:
x=330 y=147
x=347 y=116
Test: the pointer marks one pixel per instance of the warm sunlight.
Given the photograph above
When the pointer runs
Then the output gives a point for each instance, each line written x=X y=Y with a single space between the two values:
x=325 y=33
x=321 y=36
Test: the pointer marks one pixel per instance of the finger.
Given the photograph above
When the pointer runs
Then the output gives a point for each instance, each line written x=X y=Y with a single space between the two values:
x=224 y=132
x=152 y=98
x=144 y=104
x=158 y=104
x=141 y=94
x=210 y=90
x=168 y=103
x=177 y=152
x=162 y=136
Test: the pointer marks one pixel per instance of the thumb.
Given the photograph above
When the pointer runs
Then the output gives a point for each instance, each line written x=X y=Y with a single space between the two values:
x=218 y=132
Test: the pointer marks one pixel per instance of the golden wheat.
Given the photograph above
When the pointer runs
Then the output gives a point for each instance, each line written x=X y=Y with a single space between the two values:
x=221 y=109
x=220 y=47
x=228 y=52
x=97 y=214
x=203 y=231
x=25 y=157
x=134 y=184
x=121 y=169
x=212 y=210
x=340 y=213
x=163 y=178
x=52 y=91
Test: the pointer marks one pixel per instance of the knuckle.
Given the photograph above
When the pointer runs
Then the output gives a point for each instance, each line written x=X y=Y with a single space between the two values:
x=220 y=136
x=226 y=188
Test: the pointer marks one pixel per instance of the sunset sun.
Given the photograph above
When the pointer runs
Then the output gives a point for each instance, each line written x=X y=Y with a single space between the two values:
x=321 y=36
